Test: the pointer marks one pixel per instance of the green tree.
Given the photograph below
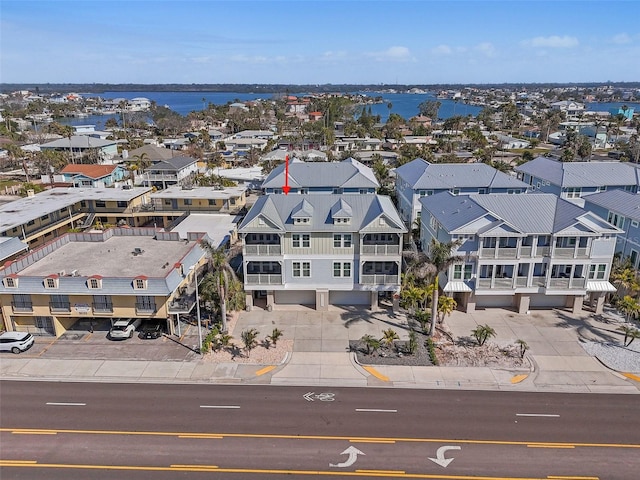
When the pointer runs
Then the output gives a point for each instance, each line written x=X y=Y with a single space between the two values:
x=482 y=333
x=430 y=108
x=630 y=334
x=249 y=337
x=523 y=347
x=441 y=258
x=372 y=343
x=220 y=268
x=446 y=305
x=276 y=333
x=628 y=306
x=389 y=336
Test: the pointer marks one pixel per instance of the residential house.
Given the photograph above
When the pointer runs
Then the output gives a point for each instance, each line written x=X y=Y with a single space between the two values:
x=573 y=180
x=622 y=210
x=521 y=251
x=91 y=175
x=420 y=178
x=37 y=219
x=83 y=145
x=571 y=109
x=172 y=171
x=321 y=250
x=109 y=275
x=150 y=152
x=199 y=199
x=347 y=176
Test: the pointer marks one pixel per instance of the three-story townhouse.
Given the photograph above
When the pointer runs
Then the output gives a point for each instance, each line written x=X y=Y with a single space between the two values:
x=321 y=250
x=622 y=210
x=522 y=251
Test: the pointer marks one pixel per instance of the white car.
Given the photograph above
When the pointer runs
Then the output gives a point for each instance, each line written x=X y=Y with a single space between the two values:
x=16 y=342
x=124 y=328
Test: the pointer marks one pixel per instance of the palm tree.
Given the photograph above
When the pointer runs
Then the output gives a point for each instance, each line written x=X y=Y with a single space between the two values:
x=523 y=347
x=441 y=258
x=482 y=333
x=219 y=265
x=446 y=305
x=630 y=334
x=628 y=306
x=389 y=336
x=249 y=338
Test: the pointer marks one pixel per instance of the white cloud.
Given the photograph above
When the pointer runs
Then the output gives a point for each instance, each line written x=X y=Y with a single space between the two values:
x=621 y=39
x=394 y=54
x=486 y=48
x=553 y=41
x=442 y=50
x=256 y=59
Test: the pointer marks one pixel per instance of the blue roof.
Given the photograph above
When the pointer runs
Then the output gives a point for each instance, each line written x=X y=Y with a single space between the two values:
x=619 y=201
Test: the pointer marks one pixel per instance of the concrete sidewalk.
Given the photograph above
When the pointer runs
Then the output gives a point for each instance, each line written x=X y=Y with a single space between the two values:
x=321 y=357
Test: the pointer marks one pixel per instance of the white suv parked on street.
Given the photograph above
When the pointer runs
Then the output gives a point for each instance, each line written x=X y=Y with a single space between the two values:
x=124 y=328
x=16 y=342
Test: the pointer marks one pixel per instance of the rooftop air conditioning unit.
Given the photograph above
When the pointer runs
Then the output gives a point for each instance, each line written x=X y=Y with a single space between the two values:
x=74 y=273
x=62 y=273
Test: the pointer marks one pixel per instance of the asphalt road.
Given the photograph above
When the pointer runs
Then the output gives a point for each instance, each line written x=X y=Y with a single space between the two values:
x=113 y=431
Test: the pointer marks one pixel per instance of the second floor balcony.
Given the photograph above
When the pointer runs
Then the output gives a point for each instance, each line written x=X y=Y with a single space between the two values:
x=263 y=273
x=380 y=273
x=263 y=249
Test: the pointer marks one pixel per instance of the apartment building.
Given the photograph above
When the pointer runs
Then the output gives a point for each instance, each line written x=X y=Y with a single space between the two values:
x=321 y=250
x=521 y=251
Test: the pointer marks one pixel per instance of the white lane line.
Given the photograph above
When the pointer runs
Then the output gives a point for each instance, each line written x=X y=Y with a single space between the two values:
x=536 y=415
x=219 y=406
x=375 y=410
x=66 y=404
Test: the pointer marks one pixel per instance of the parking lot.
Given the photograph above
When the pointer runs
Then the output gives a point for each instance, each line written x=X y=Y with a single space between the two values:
x=80 y=342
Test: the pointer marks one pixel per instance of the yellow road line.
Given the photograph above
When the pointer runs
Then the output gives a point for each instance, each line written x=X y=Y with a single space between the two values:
x=563 y=477
x=26 y=462
x=551 y=446
x=519 y=378
x=632 y=376
x=215 y=437
x=324 y=437
x=35 y=432
x=47 y=347
x=89 y=335
x=264 y=370
x=213 y=468
x=372 y=441
x=376 y=374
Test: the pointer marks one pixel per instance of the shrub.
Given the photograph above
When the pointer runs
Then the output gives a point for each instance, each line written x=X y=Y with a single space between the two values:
x=431 y=347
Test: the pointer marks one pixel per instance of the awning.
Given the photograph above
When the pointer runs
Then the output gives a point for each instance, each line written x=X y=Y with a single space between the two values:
x=601 y=286
x=457 y=287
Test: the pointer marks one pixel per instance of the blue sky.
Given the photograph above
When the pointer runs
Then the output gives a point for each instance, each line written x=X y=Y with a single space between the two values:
x=332 y=41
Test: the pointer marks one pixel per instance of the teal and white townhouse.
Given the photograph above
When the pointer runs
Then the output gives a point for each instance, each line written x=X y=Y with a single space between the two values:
x=574 y=180
x=347 y=176
x=420 y=178
x=521 y=251
x=321 y=249
x=621 y=209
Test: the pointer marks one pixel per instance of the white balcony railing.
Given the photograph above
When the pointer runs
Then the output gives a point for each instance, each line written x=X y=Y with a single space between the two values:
x=484 y=283
x=542 y=251
x=380 y=249
x=564 y=252
x=264 y=279
x=526 y=251
x=263 y=249
x=538 y=281
x=379 y=279
x=488 y=252
x=506 y=282
x=521 y=281
x=566 y=283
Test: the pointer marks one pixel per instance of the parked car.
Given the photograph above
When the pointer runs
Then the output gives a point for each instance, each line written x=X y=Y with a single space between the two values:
x=124 y=328
x=151 y=330
x=16 y=342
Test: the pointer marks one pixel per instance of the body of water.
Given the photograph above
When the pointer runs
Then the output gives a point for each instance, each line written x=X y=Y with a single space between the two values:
x=403 y=104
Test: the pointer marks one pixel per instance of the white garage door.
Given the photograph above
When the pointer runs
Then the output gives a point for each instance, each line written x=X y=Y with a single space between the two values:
x=295 y=297
x=547 y=301
x=494 y=301
x=337 y=297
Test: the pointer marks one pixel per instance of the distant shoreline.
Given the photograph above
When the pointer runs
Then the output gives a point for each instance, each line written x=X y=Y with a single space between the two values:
x=278 y=88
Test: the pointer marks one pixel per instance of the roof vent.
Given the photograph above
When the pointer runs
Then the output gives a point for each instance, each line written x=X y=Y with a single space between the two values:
x=137 y=251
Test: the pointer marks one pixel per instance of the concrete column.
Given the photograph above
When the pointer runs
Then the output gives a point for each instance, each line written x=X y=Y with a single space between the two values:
x=577 y=304
x=373 y=301
x=522 y=303
x=270 y=299
x=248 y=299
x=470 y=301
x=599 y=301
x=322 y=300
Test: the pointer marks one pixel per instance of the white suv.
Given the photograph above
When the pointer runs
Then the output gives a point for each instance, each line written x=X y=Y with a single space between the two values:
x=16 y=342
x=124 y=328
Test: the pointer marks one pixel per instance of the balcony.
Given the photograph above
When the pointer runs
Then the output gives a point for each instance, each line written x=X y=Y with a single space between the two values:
x=526 y=251
x=142 y=309
x=521 y=281
x=183 y=303
x=22 y=307
x=543 y=250
x=380 y=250
x=488 y=252
x=264 y=279
x=60 y=307
x=379 y=279
x=484 y=283
x=102 y=308
x=562 y=283
x=564 y=252
x=263 y=250
x=538 y=281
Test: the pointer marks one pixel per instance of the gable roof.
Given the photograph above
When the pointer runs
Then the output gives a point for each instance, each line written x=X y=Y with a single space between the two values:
x=581 y=174
x=89 y=171
x=173 y=164
x=348 y=173
x=280 y=210
x=540 y=213
x=152 y=151
x=421 y=174
x=78 y=142
x=619 y=201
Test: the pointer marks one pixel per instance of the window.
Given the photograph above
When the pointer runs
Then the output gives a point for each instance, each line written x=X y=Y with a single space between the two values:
x=50 y=283
x=10 y=282
x=213 y=202
x=634 y=223
x=455 y=191
x=304 y=191
x=145 y=303
x=633 y=256
x=342 y=240
x=188 y=201
x=512 y=191
x=139 y=284
x=457 y=272
x=574 y=192
x=101 y=204
x=44 y=218
x=300 y=240
x=30 y=222
x=102 y=303
x=122 y=204
x=462 y=272
x=482 y=191
x=602 y=189
x=300 y=221
x=22 y=302
x=337 y=191
x=341 y=269
x=615 y=219
x=60 y=302
x=597 y=271
x=538 y=185
x=301 y=269
x=94 y=283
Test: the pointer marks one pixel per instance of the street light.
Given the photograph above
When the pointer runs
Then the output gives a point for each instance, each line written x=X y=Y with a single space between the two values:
x=195 y=276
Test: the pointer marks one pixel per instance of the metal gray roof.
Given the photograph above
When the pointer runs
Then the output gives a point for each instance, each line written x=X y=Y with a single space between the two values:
x=176 y=191
x=348 y=173
x=582 y=174
x=421 y=174
x=78 y=141
x=619 y=201
x=173 y=164
x=10 y=246
x=279 y=209
x=528 y=214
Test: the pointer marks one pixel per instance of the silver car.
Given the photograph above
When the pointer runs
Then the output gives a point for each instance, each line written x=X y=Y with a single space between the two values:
x=16 y=342
x=124 y=328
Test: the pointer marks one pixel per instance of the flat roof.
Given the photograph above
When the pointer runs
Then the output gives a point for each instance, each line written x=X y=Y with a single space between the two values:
x=217 y=226
x=19 y=212
x=199 y=192
x=113 y=258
